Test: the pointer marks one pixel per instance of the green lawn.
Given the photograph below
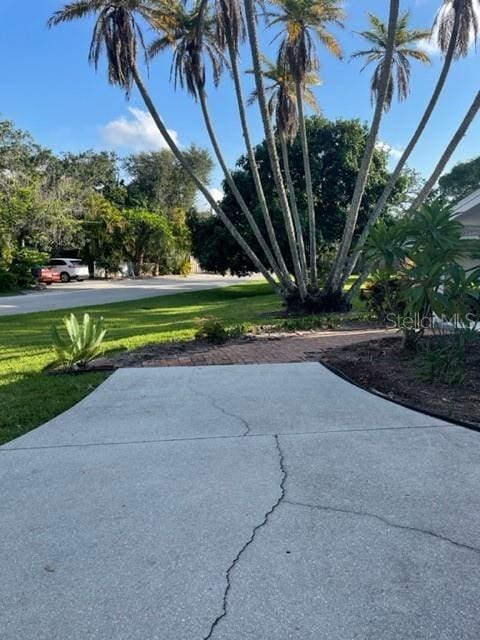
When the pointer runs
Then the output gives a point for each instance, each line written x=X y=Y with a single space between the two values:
x=29 y=397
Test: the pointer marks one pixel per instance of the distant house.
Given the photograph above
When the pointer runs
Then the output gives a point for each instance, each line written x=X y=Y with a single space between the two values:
x=467 y=211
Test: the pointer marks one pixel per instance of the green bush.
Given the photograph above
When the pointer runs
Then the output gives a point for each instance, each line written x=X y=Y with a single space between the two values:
x=8 y=282
x=24 y=260
x=214 y=331
x=83 y=341
x=383 y=297
x=423 y=253
x=443 y=358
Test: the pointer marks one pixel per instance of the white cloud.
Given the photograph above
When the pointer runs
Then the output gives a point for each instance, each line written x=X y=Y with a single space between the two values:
x=395 y=153
x=217 y=194
x=202 y=203
x=430 y=46
x=137 y=132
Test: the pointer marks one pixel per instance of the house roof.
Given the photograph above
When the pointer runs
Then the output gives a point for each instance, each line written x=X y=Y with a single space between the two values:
x=467 y=204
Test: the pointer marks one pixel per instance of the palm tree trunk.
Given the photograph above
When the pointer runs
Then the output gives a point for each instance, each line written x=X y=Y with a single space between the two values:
x=199 y=184
x=293 y=201
x=300 y=276
x=350 y=224
x=312 y=227
x=282 y=276
x=233 y=55
x=389 y=187
x=449 y=151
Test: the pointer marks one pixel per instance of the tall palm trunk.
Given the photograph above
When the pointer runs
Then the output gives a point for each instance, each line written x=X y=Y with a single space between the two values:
x=282 y=276
x=389 y=187
x=312 y=227
x=199 y=184
x=233 y=55
x=293 y=200
x=350 y=224
x=300 y=276
x=449 y=151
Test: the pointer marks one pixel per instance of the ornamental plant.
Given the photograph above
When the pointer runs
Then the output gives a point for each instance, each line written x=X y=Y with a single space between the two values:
x=82 y=343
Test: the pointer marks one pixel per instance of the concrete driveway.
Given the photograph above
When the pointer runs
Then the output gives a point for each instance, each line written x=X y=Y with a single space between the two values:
x=264 y=502
x=91 y=292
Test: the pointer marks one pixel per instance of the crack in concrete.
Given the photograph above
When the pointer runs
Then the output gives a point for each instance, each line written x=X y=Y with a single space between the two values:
x=389 y=523
x=232 y=415
x=255 y=530
x=216 y=405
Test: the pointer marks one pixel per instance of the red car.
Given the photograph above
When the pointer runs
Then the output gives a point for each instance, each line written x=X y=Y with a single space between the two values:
x=46 y=275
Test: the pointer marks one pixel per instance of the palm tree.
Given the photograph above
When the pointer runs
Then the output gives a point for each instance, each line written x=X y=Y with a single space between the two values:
x=455 y=23
x=405 y=47
x=301 y=21
x=461 y=15
x=117 y=31
x=192 y=36
x=282 y=106
x=230 y=29
x=251 y=23
x=334 y=278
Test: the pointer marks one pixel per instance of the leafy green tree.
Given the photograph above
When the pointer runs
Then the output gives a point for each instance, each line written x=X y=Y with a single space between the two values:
x=461 y=181
x=38 y=219
x=336 y=150
x=20 y=156
x=178 y=247
x=104 y=229
x=146 y=237
x=159 y=182
x=39 y=205
x=96 y=171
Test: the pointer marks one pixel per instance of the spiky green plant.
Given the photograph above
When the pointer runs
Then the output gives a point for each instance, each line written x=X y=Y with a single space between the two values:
x=83 y=341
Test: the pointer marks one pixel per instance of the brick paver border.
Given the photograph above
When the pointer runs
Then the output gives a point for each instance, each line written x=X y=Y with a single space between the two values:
x=270 y=349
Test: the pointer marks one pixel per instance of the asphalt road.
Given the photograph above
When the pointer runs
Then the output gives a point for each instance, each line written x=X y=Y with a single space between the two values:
x=92 y=292
x=262 y=502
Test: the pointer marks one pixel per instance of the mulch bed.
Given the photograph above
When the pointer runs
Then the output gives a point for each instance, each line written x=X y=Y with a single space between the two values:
x=383 y=366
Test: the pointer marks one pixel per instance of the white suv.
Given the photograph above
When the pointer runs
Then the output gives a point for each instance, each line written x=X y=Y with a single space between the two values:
x=69 y=269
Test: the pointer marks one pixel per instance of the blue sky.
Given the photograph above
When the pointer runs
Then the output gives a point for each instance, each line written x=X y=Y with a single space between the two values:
x=48 y=88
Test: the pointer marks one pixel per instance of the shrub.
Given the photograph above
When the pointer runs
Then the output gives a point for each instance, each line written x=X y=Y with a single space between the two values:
x=24 y=260
x=214 y=331
x=423 y=253
x=83 y=342
x=185 y=268
x=383 y=296
x=8 y=282
x=442 y=359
